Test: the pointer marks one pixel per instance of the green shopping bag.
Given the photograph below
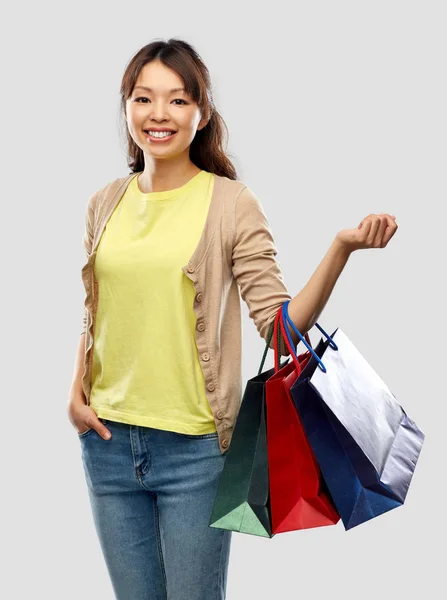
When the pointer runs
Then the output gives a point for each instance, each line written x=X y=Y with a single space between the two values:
x=242 y=501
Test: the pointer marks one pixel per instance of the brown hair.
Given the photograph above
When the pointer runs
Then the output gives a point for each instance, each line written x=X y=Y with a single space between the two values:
x=206 y=150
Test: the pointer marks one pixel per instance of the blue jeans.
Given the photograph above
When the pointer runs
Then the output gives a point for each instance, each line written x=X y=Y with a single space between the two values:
x=151 y=493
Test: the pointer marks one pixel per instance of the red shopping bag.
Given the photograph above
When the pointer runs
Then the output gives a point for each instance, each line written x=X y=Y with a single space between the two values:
x=298 y=496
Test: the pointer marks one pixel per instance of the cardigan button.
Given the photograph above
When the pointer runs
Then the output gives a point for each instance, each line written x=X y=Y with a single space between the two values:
x=211 y=388
x=190 y=269
x=219 y=414
x=201 y=326
x=205 y=356
x=225 y=443
x=199 y=297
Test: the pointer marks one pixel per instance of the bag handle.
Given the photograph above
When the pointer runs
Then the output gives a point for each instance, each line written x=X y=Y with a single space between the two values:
x=326 y=335
x=288 y=340
x=277 y=324
x=275 y=328
x=267 y=345
x=289 y=344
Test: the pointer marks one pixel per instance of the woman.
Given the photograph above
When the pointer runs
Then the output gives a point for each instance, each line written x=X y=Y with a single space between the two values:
x=157 y=379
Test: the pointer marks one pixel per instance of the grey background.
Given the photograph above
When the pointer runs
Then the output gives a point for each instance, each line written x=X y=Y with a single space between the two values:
x=335 y=110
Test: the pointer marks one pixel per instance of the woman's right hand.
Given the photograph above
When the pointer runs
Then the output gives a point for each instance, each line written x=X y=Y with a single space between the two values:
x=83 y=417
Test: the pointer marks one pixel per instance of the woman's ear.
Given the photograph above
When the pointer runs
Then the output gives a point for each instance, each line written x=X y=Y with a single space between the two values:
x=202 y=124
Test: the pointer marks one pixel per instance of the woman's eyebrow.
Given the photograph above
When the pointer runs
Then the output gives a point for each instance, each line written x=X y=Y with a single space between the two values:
x=148 y=89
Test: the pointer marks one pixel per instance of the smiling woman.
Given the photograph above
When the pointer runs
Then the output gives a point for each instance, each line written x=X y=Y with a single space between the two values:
x=172 y=126
x=153 y=482
x=171 y=249
x=162 y=124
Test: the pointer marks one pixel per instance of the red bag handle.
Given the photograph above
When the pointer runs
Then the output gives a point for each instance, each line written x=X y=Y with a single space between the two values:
x=279 y=322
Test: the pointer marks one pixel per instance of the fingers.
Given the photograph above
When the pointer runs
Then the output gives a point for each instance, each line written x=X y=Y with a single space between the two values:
x=374 y=230
x=103 y=431
x=91 y=421
x=390 y=230
x=377 y=242
x=377 y=230
x=365 y=228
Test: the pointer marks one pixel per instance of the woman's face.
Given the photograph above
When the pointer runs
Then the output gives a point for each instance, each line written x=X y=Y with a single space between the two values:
x=160 y=107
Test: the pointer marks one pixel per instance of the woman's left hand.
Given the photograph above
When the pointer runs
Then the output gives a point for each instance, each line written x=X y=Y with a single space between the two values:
x=374 y=231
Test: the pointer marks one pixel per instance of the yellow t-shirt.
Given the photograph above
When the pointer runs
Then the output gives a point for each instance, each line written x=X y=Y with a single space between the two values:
x=146 y=369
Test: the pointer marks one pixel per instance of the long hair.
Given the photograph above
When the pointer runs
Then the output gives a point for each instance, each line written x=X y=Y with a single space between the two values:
x=207 y=148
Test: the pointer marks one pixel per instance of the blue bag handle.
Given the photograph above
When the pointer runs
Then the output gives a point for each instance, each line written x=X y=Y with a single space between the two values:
x=287 y=319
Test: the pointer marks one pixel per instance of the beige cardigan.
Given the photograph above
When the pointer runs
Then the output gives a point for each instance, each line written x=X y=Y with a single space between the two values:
x=236 y=248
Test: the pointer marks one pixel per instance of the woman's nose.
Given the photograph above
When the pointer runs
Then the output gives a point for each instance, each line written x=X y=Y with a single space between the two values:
x=158 y=112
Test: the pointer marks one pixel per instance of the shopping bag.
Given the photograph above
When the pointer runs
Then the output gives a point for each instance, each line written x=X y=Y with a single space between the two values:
x=242 y=501
x=298 y=495
x=365 y=444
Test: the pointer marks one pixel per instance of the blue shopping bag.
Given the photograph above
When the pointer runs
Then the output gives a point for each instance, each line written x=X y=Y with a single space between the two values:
x=366 y=445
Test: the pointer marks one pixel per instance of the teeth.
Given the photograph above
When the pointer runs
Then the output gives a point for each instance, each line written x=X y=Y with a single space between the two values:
x=160 y=133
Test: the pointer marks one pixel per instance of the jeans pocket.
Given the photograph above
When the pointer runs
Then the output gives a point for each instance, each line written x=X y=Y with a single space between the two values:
x=90 y=429
x=84 y=433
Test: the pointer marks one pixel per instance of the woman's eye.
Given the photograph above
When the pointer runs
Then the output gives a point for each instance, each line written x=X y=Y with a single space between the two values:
x=144 y=98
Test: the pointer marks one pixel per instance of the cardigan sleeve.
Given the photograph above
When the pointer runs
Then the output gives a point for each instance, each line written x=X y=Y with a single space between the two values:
x=87 y=242
x=255 y=268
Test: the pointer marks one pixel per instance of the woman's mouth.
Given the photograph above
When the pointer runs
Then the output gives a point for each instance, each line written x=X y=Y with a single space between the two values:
x=159 y=136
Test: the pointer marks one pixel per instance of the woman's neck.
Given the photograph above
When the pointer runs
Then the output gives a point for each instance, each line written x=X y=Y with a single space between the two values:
x=156 y=181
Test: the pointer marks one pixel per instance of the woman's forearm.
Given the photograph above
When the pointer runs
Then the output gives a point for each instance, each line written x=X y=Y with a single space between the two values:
x=78 y=370
x=305 y=308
